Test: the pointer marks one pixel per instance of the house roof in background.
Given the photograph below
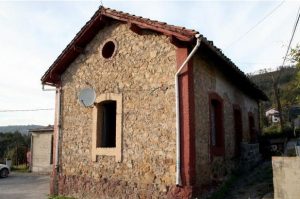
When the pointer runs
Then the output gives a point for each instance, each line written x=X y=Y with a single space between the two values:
x=42 y=129
x=177 y=34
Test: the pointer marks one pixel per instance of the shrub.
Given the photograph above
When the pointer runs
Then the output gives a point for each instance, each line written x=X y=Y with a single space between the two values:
x=60 y=197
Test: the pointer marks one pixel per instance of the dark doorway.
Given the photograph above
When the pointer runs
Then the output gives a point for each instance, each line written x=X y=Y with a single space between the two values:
x=106 y=124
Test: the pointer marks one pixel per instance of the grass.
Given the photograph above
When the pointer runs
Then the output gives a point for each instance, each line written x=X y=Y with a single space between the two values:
x=260 y=180
x=23 y=168
x=224 y=189
x=60 y=197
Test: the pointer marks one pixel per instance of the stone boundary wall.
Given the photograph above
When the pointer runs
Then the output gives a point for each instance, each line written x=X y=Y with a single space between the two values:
x=286 y=177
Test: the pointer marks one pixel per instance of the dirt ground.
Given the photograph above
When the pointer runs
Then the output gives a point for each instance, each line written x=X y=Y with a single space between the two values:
x=256 y=184
x=24 y=186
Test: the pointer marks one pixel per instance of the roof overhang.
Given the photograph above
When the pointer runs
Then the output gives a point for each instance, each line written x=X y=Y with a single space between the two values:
x=178 y=36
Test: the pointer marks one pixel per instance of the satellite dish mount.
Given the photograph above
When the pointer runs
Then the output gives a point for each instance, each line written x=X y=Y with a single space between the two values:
x=87 y=97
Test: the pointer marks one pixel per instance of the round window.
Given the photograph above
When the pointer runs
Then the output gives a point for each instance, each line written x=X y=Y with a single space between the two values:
x=108 y=49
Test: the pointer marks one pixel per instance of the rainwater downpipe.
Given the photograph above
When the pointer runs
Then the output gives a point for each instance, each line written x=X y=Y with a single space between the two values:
x=178 y=73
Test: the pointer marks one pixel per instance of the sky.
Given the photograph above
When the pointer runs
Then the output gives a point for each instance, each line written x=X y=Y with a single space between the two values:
x=253 y=34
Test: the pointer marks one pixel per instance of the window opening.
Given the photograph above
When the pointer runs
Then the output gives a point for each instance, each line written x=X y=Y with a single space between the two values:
x=106 y=124
x=108 y=49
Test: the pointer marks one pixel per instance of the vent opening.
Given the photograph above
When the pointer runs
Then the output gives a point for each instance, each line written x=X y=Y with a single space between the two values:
x=108 y=49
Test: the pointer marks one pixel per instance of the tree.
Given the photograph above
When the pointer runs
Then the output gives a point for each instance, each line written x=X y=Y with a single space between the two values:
x=275 y=82
x=292 y=92
x=14 y=146
x=295 y=58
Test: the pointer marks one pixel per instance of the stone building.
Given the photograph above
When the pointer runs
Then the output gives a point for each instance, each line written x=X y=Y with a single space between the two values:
x=137 y=140
x=41 y=149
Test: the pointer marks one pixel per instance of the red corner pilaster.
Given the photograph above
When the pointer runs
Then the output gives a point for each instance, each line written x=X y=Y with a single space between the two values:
x=187 y=119
x=53 y=180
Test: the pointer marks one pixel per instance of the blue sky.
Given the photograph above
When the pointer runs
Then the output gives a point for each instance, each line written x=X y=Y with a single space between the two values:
x=34 y=33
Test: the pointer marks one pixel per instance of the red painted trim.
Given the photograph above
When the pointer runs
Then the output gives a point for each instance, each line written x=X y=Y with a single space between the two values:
x=218 y=150
x=238 y=128
x=53 y=180
x=187 y=119
x=258 y=117
x=252 y=130
x=178 y=43
x=98 y=21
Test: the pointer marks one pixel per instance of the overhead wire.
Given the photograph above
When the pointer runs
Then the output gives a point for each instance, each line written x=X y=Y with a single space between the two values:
x=26 y=110
x=253 y=27
x=292 y=37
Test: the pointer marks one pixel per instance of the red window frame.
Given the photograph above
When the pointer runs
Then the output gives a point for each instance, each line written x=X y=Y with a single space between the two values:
x=219 y=148
x=252 y=130
x=238 y=128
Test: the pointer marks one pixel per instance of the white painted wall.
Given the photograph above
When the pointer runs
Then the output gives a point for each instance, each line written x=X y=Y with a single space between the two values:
x=41 y=152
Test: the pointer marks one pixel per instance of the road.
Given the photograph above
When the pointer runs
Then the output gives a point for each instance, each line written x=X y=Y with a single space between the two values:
x=24 y=186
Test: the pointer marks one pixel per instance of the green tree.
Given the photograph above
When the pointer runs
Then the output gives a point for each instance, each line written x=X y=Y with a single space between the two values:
x=295 y=58
x=14 y=146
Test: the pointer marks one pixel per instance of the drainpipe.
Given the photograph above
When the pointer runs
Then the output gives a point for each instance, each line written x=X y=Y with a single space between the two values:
x=178 y=73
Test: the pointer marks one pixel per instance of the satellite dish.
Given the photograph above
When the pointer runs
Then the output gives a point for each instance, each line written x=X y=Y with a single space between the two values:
x=87 y=97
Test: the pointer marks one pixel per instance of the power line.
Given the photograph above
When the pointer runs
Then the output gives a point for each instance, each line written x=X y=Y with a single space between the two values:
x=259 y=22
x=26 y=110
x=292 y=37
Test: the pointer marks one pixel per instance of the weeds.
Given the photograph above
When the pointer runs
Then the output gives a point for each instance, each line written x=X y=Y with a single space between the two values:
x=224 y=189
x=23 y=168
x=60 y=197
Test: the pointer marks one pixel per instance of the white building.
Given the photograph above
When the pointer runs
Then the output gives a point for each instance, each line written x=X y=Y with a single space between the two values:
x=41 y=149
x=273 y=115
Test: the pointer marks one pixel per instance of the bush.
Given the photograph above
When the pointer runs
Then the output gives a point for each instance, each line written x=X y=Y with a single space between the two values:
x=275 y=132
x=288 y=131
x=20 y=168
x=272 y=132
x=60 y=197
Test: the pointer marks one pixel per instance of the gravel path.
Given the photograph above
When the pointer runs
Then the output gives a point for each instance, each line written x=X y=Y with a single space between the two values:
x=257 y=184
x=24 y=186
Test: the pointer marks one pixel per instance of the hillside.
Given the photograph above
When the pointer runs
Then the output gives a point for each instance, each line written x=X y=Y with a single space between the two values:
x=20 y=128
x=288 y=93
x=264 y=79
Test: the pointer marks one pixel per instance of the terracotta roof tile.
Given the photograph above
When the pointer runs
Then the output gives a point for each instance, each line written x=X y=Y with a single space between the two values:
x=91 y=27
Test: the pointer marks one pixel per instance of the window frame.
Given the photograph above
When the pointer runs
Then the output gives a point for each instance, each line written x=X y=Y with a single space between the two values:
x=220 y=149
x=238 y=133
x=252 y=129
x=108 y=151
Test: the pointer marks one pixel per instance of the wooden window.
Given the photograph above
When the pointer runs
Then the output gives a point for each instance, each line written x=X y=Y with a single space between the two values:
x=216 y=125
x=238 y=128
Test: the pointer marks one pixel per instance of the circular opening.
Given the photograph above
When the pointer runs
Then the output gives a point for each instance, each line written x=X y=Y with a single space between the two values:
x=108 y=49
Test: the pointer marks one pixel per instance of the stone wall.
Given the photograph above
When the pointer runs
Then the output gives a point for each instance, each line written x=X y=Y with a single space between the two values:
x=41 y=152
x=208 y=78
x=142 y=70
x=286 y=177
